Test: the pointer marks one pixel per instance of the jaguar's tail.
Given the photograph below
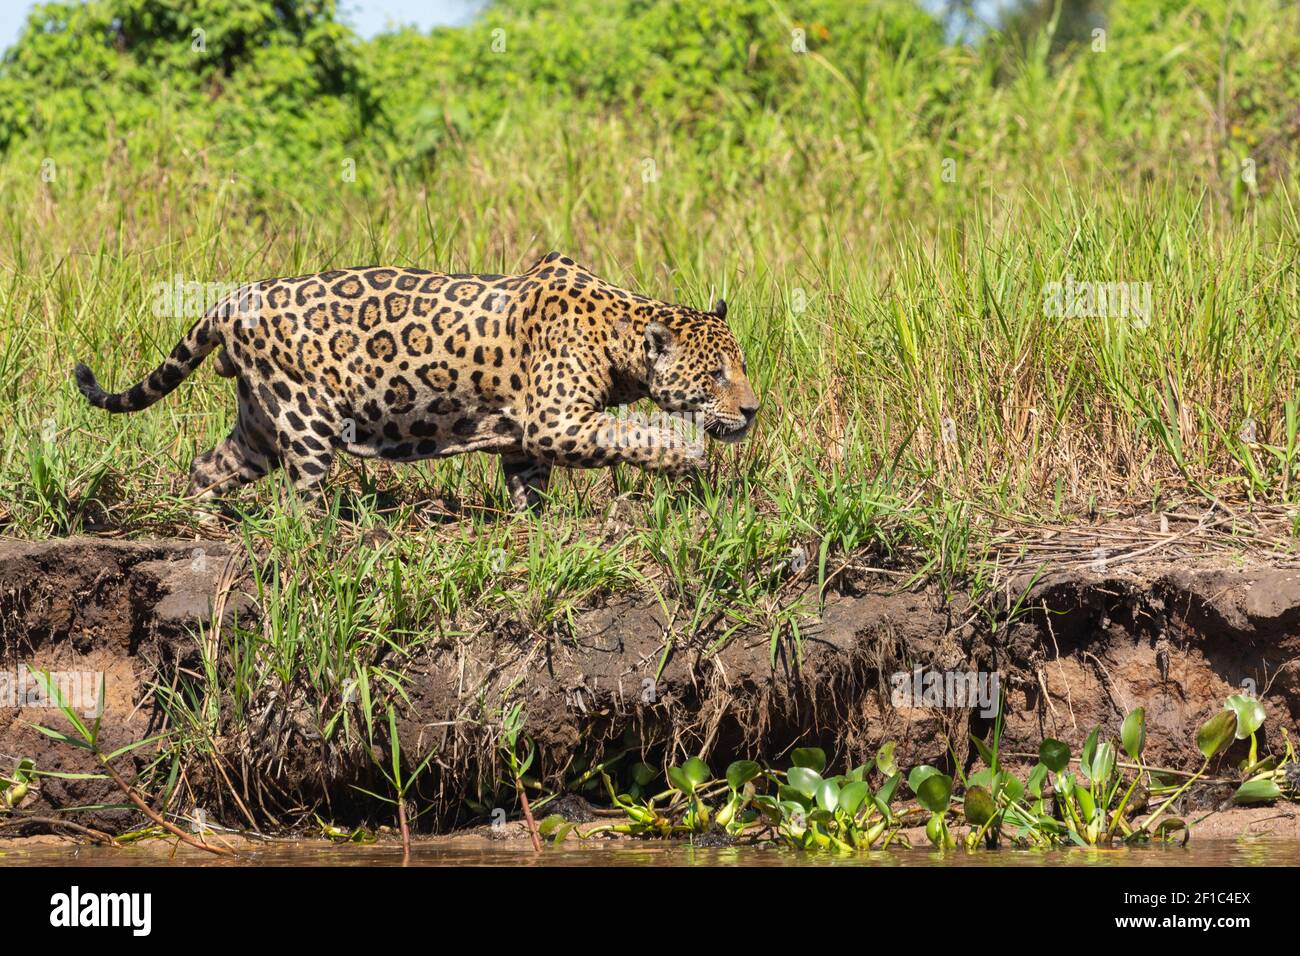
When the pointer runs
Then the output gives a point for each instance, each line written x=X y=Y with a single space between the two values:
x=201 y=339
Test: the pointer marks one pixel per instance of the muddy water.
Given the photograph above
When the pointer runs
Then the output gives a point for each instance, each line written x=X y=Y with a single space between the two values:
x=481 y=852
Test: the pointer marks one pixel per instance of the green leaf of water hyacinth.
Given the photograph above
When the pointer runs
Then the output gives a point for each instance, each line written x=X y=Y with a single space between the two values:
x=805 y=780
x=885 y=759
x=696 y=770
x=814 y=758
x=828 y=796
x=917 y=776
x=983 y=778
x=788 y=794
x=934 y=792
x=1217 y=733
x=979 y=806
x=889 y=788
x=852 y=796
x=1036 y=777
x=689 y=775
x=1257 y=791
x=1054 y=755
x=1133 y=733
x=679 y=780
x=1250 y=714
x=741 y=772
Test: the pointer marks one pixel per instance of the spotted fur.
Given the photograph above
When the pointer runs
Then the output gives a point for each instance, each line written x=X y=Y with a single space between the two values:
x=405 y=364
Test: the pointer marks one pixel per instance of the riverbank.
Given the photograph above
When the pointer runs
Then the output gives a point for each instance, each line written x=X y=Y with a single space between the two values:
x=1074 y=643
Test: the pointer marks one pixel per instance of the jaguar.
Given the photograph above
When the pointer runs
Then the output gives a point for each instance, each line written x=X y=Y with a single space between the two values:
x=408 y=364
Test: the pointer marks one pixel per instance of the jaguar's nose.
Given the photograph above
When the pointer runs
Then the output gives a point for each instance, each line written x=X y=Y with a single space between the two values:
x=749 y=411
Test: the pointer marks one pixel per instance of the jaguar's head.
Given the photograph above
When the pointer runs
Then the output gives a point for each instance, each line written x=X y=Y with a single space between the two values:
x=694 y=364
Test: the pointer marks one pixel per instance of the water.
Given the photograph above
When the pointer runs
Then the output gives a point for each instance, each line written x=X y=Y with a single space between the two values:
x=478 y=851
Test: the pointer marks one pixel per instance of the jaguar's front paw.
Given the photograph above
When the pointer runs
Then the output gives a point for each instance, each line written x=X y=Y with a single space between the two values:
x=685 y=460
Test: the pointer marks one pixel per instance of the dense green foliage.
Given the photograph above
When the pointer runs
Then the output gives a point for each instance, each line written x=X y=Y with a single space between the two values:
x=288 y=80
x=266 y=89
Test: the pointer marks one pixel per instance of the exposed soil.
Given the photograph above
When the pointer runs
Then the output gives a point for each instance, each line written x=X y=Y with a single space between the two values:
x=1085 y=647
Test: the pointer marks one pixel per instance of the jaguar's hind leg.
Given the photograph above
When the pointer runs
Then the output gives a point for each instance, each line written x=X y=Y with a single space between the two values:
x=526 y=480
x=307 y=456
x=233 y=463
x=246 y=454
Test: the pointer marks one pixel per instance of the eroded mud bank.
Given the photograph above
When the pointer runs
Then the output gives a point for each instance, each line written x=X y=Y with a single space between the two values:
x=1083 y=648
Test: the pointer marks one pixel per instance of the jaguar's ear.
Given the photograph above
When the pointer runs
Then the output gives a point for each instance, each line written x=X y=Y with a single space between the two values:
x=658 y=340
x=720 y=308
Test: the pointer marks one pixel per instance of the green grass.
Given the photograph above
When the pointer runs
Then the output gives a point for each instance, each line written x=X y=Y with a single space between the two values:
x=929 y=347
x=907 y=368
x=911 y=341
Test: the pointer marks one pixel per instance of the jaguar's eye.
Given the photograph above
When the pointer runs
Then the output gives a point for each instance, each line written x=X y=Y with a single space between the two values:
x=720 y=376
